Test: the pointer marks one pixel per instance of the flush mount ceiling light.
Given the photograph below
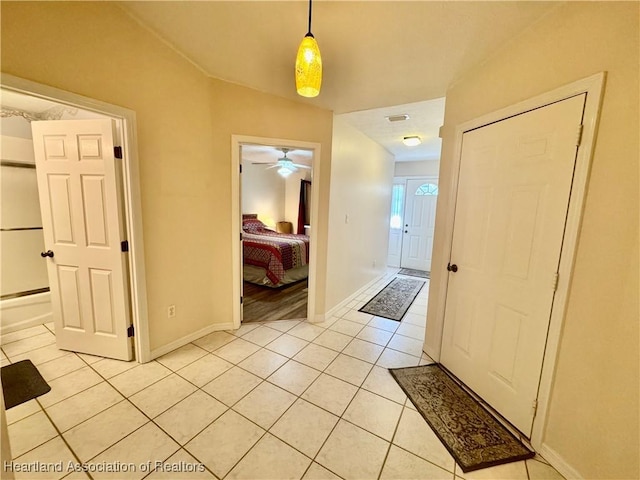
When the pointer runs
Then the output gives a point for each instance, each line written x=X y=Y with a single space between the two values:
x=412 y=141
x=308 y=65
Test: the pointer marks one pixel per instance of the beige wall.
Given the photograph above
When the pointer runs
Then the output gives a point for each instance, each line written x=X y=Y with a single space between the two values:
x=241 y=111
x=361 y=182
x=273 y=197
x=263 y=192
x=184 y=124
x=593 y=417
x=425 y=168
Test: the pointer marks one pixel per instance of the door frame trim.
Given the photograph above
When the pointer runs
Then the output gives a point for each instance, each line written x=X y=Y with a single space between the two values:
x=126 y=121
x=593 y=86
x=236 y=218
x=405 y=179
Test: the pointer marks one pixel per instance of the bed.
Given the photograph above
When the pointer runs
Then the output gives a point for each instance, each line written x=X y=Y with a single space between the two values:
x=272 y=259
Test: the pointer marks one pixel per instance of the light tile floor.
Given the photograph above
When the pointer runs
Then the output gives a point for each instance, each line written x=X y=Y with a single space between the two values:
x=272 y=400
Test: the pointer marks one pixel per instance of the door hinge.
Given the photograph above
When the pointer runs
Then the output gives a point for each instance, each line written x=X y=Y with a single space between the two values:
x=556 y=279
x=241 y=300
x=130 y=331
x=124 y=246
x=240 y=168
x=117 y=152
x=534 y=407
x=579 y=135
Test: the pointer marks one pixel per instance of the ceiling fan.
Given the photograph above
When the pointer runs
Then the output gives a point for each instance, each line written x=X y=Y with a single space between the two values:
x=285 y=165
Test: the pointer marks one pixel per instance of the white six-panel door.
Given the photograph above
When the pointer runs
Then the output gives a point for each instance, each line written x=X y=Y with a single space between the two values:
x=513 y=193
x=419 y=224
x=79 y=198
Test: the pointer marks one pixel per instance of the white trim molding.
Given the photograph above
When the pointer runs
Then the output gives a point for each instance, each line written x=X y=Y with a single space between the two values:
x=181 y=342
x=352 y=297
x=593 y=86
x=126 y=124
x=559 y=463
x=236 y=217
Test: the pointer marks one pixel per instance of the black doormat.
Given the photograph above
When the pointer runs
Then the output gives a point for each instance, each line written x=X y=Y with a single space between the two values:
x=22 y=382
x=394 y=300
x=471 y=434
x=415 y=273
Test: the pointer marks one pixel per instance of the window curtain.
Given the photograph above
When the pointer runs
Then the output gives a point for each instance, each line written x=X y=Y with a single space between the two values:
x=304 y=216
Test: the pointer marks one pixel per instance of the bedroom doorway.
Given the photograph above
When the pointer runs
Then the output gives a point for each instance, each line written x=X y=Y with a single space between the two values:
x=275 y=211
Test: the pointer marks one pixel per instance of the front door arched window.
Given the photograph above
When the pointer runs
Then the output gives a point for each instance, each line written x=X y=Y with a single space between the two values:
x=427 y=189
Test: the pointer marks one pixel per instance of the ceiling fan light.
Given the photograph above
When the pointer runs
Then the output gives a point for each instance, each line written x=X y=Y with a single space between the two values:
x=412 y=141
x=284 y=172
x=308 y=68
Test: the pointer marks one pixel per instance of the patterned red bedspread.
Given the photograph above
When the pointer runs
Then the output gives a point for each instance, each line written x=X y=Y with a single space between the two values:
x=275 y=252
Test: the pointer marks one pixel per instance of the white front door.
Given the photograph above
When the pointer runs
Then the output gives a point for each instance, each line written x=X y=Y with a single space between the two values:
x=80 y=201
x=513 y=193
x=419 y=224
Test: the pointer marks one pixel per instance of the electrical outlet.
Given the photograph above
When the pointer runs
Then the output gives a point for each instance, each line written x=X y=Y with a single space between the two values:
x=171 y=311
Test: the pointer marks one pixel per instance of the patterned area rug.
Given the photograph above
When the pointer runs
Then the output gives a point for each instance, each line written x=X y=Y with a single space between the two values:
x=473 y=437
x=394 y=300
x=415 y=273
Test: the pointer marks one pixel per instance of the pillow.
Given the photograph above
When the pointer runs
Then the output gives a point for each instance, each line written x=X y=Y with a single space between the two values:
x=253 y=225
x=249 y=215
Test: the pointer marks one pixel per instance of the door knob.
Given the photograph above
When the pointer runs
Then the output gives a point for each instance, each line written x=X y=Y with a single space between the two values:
x=48 y=253
x=452 y=268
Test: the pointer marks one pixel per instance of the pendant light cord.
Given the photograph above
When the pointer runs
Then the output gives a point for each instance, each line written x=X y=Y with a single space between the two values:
x=309 y=32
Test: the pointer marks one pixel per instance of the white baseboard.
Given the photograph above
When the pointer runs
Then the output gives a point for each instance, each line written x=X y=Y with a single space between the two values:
x=559 y=463
x=181 y=342
x=353 y=296
x=319 y=318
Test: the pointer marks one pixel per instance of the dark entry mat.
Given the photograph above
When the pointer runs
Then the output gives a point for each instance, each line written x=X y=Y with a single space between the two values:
x=394 y=300
x=22 y=382
x=415 y=273
x=471 y=434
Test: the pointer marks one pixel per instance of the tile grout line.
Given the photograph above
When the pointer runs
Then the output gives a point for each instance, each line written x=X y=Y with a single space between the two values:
x=341 y=417
x=393 y=436
x=63 y=439
x=126 y=398
x=263 y=380
x=230 y=408
x=299 y=397
x=59 y=433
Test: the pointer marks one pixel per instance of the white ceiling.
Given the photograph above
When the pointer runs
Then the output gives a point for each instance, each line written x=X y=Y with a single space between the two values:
x=375 y=53
x=425 y=120
x=271 y=154
x=379 y=57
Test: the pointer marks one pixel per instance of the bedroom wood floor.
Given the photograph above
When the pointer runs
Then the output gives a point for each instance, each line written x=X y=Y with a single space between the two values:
x=264 y=303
